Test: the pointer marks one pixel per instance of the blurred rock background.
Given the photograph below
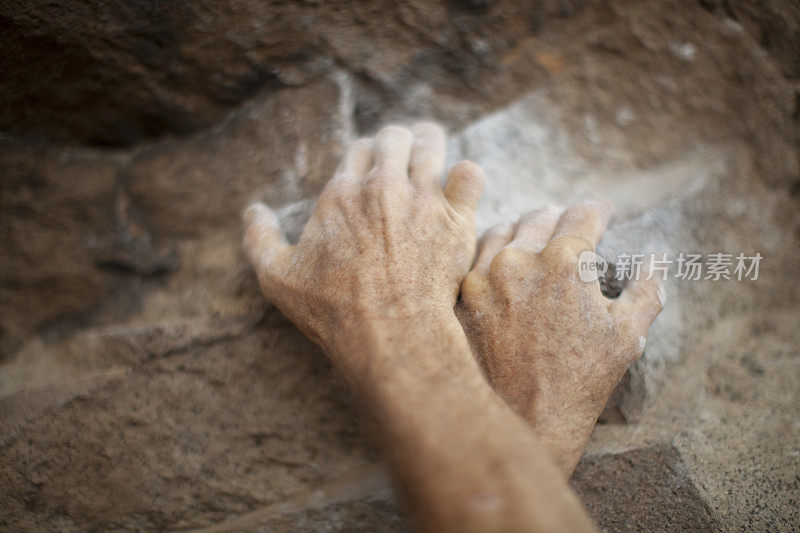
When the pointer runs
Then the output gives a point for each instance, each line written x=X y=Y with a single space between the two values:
x=145 y=384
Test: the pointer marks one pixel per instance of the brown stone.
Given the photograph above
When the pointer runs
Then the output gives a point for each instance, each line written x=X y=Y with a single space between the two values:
x=144 y=383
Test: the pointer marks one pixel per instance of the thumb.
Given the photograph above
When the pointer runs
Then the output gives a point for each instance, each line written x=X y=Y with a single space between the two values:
x=264 y=241
x=464 y=186
x=642 y=299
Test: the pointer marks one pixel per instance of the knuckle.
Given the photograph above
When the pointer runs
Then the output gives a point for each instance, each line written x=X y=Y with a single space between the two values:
x=472 y=287
x=506 y=261
x=565 y=250
x=381 y=178
x=383 y=190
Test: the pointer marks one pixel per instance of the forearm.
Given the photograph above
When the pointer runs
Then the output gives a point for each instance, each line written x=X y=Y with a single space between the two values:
x=462 y=458
x=385 y=234
x=553 y=347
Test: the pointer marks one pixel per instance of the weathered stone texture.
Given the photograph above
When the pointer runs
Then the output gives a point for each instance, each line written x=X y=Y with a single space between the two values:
x=144 y=383
x=119 y=72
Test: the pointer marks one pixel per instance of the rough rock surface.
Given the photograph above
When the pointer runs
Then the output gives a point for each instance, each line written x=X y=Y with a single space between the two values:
x=144 y=384
x=116 y=73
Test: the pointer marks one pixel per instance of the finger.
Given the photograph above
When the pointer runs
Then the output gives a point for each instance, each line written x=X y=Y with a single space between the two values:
x=264 y=241
x=586 y=221
x=642 y=299
x=535 y=229
x=427 y=154
x=464 y=185
x=392 y=151
x=357 y=161
x=492 y=242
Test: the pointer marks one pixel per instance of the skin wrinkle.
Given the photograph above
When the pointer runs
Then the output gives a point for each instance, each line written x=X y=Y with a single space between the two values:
x=558 y=343
x=374 y=279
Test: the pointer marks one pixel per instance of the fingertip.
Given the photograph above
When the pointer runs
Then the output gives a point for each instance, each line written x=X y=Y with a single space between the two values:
x=428 y=127
x=465 y=183
x=553 y=209
x=605 y=205
x=647 y=271
x=360 y=151
x=356 y=161
x=657 y=281
x=392 y=150
x=427 y=154
x=471 y=168
x=365 y=143
x=392 y=140
x=491 y=242
x=643 y=298
x=550 y=213
x=262 y=231
x=257 y=212
x=501 y=230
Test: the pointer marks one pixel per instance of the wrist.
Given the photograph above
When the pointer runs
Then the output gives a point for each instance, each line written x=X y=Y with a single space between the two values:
x=378 y=326
x=405 y=348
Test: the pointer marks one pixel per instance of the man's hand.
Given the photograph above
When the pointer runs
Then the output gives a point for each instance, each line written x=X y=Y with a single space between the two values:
x=553 y=346
x=373 y=280
x=384 y=242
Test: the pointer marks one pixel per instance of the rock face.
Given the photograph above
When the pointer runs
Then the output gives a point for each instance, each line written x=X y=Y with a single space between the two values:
x=117 y=73
x=145 y=384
